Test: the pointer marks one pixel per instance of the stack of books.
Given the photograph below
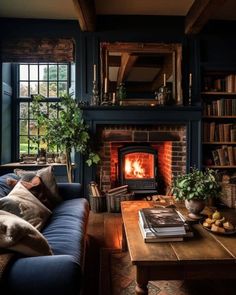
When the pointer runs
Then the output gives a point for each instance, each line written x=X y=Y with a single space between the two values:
x=162 y=225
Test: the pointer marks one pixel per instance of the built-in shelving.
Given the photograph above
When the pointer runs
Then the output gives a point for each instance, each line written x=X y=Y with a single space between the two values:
x=219 y=119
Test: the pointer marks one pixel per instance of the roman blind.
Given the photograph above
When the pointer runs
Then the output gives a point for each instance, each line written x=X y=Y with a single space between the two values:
x=38 y=50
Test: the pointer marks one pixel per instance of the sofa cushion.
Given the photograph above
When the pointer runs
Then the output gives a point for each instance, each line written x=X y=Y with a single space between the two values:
x=4 y=187
x=18 y=235
x=66 y=229
x=37 y=188
x=23 y=203
x=48 y=178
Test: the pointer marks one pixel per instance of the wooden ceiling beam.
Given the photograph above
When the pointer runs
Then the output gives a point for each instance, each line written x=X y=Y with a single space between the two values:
x=127 y=62
x=85 y=10
x=199 y=14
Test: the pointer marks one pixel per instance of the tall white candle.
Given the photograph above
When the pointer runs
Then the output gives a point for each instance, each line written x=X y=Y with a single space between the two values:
x=105 y=85
x=190 y=80
x=164 y=79
x=94 y=72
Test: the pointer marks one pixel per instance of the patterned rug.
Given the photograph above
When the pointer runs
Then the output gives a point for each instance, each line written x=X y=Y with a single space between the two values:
x=117 y=277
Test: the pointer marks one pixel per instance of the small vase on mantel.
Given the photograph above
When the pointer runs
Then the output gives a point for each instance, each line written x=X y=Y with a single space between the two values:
x=195 y=207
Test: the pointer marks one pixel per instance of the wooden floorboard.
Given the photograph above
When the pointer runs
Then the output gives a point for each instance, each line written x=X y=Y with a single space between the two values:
x=104 y=231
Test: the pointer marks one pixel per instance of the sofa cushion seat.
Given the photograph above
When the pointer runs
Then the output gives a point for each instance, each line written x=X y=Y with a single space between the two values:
x=66 y=228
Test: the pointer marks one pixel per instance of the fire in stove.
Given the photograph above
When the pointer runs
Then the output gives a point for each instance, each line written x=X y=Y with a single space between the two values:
x=138 y=165
x=138 y=168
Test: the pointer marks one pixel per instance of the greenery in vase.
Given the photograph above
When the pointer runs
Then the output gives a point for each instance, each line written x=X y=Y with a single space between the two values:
x=200 y=185
x=65 y=128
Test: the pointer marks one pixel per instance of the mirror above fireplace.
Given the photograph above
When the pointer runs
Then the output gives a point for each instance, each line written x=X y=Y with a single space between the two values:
x=143 y=68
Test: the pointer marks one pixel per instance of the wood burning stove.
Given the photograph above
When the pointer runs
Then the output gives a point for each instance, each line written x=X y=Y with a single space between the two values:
x=138 y=168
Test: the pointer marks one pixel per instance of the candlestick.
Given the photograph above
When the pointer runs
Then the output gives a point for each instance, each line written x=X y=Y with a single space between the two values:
x=164 y=79
x=190 y=79
x=105 y=86
x=113 y=98
x=94 y=73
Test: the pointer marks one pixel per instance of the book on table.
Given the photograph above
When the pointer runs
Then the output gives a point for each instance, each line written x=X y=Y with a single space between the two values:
x=162 y=223
x=154 y=238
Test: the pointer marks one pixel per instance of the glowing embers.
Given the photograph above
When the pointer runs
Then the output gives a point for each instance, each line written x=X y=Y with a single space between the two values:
x=138 y=165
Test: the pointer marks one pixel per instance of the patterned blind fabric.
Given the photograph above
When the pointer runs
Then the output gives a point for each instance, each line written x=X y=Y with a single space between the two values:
x=38 y=50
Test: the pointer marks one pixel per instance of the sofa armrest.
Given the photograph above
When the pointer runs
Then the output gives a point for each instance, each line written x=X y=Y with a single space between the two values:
x=70 y=190
x=46 y=275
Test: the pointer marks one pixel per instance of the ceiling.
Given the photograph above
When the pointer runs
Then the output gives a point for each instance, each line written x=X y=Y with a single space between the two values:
x=64 y=9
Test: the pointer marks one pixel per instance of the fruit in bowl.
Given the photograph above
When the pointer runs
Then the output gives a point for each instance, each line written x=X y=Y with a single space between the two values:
x=218 y=223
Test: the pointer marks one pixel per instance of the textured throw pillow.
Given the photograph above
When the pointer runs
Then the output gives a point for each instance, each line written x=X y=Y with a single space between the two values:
x=23 y=203
x=18 y=235
x=47 y=177
x=37 y=188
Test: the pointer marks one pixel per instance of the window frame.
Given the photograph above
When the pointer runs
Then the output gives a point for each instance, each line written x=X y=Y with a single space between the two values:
x=18 y=99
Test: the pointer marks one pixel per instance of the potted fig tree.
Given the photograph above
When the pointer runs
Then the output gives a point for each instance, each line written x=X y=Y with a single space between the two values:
x=65 y=128
x=195 y=188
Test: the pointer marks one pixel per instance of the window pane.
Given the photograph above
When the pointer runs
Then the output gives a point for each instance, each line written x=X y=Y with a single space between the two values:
x=43 y=88
x=42 y=130
x=33 y=87
x=52 y=89
x=33 y=72
x=23 y=145
x=33 y=129
x=43 y=72
x=62 y=88
x=53 y=72
x=63 y=72
x=23 y=110
x=24 y=89
x=33 y=147
x=23 y=127
x=52 y=112
x=23 y=72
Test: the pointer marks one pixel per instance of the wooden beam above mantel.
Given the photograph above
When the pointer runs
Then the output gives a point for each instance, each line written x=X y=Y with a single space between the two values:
x=199 y=14
x=85 y=10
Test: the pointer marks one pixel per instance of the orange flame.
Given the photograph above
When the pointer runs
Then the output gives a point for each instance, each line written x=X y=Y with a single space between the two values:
x=134 y=169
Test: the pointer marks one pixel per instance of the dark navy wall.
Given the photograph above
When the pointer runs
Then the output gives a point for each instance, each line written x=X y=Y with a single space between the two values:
x=6 y=114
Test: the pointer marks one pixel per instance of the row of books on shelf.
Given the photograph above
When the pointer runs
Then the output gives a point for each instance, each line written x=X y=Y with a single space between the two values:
x=213 y=132
x=220 y=107
x=224 y=84
x=163 y=225
x=224 y=156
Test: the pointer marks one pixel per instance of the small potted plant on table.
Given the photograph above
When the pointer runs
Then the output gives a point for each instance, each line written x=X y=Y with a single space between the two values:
x=195 y=188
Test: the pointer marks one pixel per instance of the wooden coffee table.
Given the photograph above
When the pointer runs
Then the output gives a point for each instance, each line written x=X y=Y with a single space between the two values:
x=205 y=256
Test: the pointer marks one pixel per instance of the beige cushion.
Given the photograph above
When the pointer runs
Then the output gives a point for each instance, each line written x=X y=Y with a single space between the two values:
x=23 y=203
x=18 y=235
x=48 y=178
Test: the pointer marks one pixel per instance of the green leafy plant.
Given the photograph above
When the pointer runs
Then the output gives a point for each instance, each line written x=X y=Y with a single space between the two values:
x=200 y=185
x=65 y=128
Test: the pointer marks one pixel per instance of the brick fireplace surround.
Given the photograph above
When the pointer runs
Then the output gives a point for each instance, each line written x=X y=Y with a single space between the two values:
x=168 y=140
x=175 y=131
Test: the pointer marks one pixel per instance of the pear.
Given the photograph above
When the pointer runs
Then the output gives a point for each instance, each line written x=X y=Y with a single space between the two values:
x=216 y=215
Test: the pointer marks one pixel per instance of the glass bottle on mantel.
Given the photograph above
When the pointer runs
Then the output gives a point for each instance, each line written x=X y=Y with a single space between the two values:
x=121 y=93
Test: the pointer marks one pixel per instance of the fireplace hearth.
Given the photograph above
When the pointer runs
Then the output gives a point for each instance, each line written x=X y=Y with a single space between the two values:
x=138 y=168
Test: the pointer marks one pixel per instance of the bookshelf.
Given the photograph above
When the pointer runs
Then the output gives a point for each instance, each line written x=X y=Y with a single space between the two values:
x=219 y=120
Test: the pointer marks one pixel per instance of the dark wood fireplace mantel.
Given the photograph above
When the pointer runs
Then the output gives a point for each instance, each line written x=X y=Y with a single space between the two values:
x=141 y=114
x=189 y=116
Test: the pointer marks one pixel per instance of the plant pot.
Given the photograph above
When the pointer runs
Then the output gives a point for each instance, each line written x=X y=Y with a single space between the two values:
x=195 y=207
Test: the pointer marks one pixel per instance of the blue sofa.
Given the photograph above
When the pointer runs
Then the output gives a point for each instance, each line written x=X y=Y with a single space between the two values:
x=60 y=274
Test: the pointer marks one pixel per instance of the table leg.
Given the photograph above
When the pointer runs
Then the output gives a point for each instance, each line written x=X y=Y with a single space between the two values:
x=124 y=241
x=141 y=281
